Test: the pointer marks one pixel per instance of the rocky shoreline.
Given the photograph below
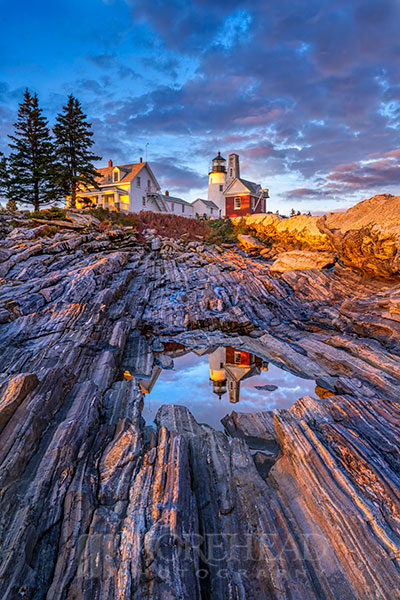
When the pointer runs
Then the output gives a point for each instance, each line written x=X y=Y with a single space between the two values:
x=95 y=504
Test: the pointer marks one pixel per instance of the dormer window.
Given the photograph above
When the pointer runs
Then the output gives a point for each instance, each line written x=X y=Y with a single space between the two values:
x=109 y=177
x=116 y=178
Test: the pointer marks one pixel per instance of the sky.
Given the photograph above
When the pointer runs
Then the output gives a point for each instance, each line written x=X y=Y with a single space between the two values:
x=307 y=92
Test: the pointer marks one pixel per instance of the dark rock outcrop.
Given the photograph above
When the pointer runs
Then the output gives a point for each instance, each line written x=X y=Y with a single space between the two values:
x=95 y=504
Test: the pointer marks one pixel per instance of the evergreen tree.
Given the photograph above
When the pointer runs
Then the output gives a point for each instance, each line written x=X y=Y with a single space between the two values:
x=4 y=177
x=31 y=164
x=73 y=140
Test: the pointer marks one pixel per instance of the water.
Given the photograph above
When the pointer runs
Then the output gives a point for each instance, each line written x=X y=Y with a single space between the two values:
x=235 y=375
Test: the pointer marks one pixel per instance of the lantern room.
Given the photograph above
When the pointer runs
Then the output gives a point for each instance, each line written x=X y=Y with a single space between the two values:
x=218 y=164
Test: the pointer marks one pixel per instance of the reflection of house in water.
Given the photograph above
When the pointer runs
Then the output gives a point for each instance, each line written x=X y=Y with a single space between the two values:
x=147 y=384
x=229 y=366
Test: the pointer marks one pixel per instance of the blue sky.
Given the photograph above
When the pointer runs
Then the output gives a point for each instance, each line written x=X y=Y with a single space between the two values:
x=306 y=91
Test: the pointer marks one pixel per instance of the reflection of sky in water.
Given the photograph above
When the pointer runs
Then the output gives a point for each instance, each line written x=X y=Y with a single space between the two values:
x=188 y=384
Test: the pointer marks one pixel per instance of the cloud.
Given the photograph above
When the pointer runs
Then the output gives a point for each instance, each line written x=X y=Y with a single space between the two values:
x=303 y=194
x=377 y=174
x=307 y=92
x=176 y=177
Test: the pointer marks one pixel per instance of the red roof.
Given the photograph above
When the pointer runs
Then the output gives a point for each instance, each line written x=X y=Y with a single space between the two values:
x=128 y=172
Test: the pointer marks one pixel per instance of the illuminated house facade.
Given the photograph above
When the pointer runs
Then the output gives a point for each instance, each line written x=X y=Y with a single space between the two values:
x=233 y=195
x=130 y=188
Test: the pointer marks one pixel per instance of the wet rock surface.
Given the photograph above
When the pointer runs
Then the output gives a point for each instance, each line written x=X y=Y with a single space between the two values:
x=295 y=504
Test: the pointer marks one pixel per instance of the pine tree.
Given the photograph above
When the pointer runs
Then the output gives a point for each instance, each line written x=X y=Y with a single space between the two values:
x=73 y=139
x=31 y=163
x=4 y=177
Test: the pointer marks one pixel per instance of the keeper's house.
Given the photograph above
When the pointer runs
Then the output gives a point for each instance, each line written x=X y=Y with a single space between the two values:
x=130 y=188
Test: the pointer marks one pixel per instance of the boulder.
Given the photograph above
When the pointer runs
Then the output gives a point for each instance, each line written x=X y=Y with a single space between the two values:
x=250 y=243
x=298 y=260
x=156 y=243
x=81 y=218
x=299 y=232
x=367 y=236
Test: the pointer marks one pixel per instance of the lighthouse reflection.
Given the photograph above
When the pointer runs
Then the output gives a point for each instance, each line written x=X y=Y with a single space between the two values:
x=229 y=366
x=210 y=380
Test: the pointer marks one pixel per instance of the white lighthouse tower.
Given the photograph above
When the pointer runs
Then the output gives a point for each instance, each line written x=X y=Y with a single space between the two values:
x=217 y=182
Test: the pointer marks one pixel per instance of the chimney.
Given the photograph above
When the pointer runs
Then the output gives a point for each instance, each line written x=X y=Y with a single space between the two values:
x=233 y=168
x=110 y=163
x=166 y=192
x=141 y=159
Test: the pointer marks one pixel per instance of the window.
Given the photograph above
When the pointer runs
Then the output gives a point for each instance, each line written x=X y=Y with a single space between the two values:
x=172 y=207
x=109 y=177
x=221 y=187
x=230 y=172
x=183 y=208
x=236 y=203
x=144 y=201
x=115 y=175
x=237 y=358
x=211 y=211
x=148 y=184
x=252 y=204
x=138 y=181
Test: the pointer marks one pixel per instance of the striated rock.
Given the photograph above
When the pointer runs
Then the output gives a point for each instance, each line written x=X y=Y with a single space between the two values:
x=298 y=260
x=95 y=504
x=82 y=218
x=249 y=242
x=156 y=243
x=300 y=232
x=58 y=223
x=367 y=235
x=164 y=361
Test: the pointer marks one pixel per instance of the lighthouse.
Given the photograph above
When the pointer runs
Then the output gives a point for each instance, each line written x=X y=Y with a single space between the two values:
x=217 y=182
x=216 y=361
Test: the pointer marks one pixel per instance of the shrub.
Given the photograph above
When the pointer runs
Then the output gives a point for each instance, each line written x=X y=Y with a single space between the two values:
x=48 y=213
x=11 y=205
x=46 y=231
x=164 y=225
x=224 y=231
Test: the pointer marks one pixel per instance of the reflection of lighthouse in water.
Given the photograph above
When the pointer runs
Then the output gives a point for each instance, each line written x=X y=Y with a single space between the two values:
x=229 y=366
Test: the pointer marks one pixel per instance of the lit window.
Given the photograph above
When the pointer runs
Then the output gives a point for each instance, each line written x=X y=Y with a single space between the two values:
x=236 y=203
x=144 y=201
x=115 y=175
x=138 y=181
x=237 y=358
